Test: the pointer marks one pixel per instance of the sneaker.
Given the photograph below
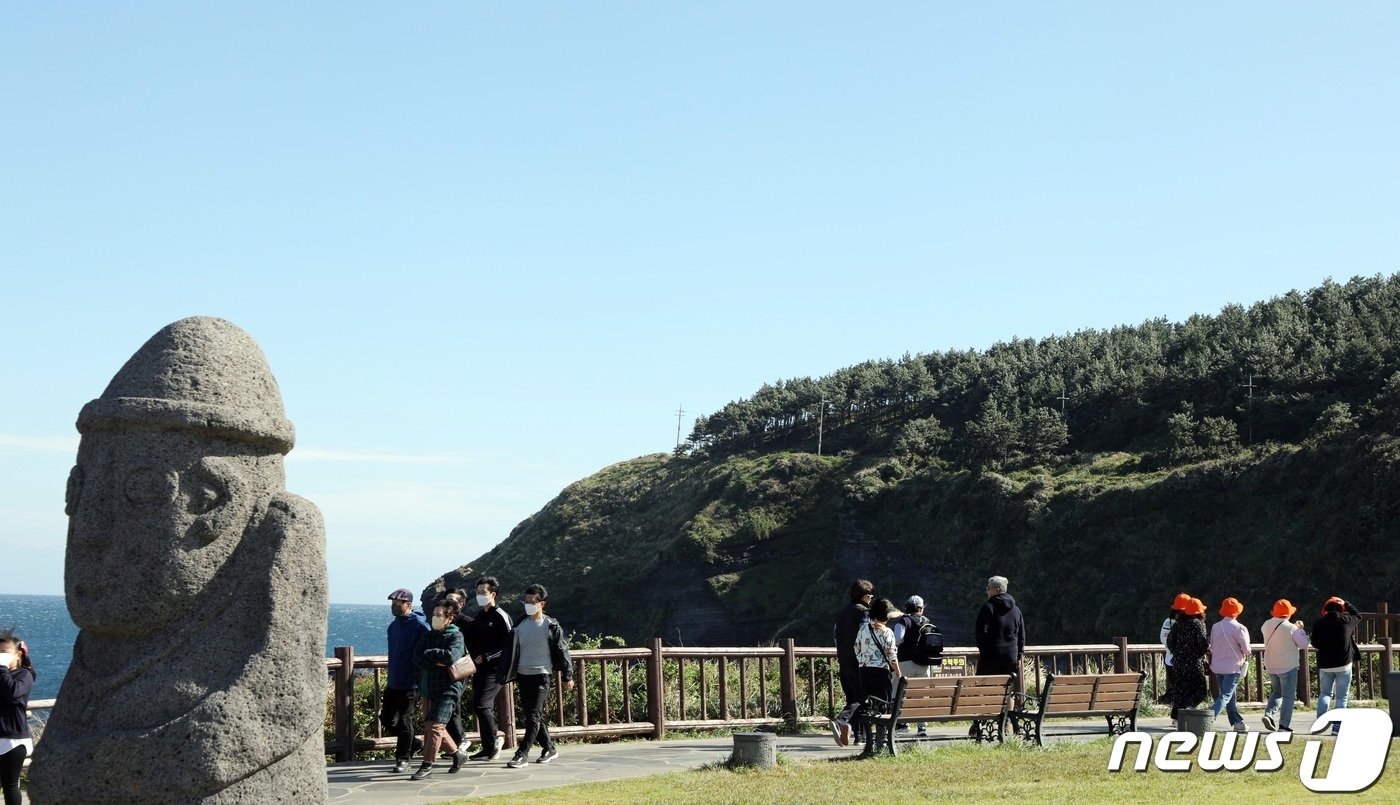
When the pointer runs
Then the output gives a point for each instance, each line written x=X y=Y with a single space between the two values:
x=923 y=732
x=423 y=771
x=401 y=767
x=548 y=755
x=500 y=743
x=1240 y=727
x=1269 y=723
x=518 y=762
x=840 y=732
x=457 y=758
x=902 y=728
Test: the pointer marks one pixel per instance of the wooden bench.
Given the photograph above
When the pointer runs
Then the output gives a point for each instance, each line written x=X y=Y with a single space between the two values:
x=1113 y=696
x=980 y=699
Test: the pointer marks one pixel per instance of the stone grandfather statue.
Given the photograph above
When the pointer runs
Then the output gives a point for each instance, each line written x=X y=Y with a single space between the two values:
x=198 y=585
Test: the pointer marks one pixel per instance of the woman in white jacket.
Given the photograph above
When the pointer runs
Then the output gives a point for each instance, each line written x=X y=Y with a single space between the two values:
x=1282 y=640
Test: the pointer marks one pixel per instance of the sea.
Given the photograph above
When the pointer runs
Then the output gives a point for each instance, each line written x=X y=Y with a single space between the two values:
x=42 y=622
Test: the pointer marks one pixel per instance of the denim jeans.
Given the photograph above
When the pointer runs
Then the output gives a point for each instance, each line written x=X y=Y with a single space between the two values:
x=1282 y=686
x=1226 y=699
x=1333 y=683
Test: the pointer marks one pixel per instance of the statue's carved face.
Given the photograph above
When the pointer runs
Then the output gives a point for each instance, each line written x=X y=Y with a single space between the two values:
x=153 y=517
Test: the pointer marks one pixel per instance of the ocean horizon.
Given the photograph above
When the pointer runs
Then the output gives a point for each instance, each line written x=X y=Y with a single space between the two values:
x=42 y=622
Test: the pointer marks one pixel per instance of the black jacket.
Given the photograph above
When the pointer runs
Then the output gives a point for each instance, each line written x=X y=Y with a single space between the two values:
x=1333 y=635
x=487 y=635
x=848 y=622
x=15 y=687
x=1001 y=632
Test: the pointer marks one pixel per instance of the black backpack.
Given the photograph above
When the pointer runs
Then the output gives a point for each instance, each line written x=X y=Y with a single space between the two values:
x=923 y=643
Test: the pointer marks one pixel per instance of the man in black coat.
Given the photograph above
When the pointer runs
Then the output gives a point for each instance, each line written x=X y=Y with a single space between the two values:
x=1001 y=632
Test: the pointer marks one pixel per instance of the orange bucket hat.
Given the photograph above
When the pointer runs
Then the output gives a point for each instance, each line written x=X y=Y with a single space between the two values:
x=1333 y=600
x=1194 y=607
x=1231 y=608
x=1283 y=608
x=1182 y=599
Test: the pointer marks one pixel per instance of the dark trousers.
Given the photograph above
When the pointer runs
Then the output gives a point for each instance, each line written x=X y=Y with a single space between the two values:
x=484 y=690
x=396 y=717
x=10 y=764
x=455 y=728
x=851 y=689
x=877 y=682
x=534 y=695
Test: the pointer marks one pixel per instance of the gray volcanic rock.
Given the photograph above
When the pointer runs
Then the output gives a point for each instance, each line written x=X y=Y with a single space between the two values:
x=198 y=585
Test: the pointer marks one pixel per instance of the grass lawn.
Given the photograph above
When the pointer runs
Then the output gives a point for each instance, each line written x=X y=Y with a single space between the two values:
x=1064 y=771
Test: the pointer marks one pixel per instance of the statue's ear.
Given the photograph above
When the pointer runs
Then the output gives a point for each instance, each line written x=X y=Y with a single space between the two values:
x=215 y=490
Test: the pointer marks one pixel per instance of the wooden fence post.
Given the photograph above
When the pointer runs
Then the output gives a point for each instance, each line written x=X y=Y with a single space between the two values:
x=1120 y=662
x=505 y=713
x=344 y=706
x=656 y=690
x=1387 y=665
x=788 y=682
x=1384 y=609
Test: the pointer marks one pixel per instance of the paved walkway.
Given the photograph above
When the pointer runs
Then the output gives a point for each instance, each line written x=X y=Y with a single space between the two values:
x=374 y=783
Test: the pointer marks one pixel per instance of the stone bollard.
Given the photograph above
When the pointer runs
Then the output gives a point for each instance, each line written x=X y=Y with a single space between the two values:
x=1393 y=681
x=755 y=749
x=1193 y=721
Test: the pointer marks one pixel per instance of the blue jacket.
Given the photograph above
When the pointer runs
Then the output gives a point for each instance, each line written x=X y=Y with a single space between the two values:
x=404 y=632
x=14 y=696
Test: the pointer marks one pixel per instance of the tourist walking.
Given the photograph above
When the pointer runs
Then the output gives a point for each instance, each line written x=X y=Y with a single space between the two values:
x=1181 y=600
x=878 y=658
x=1282 y=641
x=849 y=621
x=915 y=659
x=1334 y=637
x=1229 y=659
x=437 y=650
x=455 y=726
x=488 y=638
x=396 y=710
x=539 y=652
x=16 y=682
x=1188 y=644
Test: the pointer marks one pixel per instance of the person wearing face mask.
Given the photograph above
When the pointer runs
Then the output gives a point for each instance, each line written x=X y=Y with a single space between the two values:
x=488 y=637
x=437 y=649
x=455 y=727
x=539 y=652
x=16 y=682
x=396 y=712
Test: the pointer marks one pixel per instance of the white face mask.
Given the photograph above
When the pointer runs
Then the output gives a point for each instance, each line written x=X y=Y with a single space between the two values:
x=439 y=622
x=483 y=600
x=531 y=609
x=6 y=657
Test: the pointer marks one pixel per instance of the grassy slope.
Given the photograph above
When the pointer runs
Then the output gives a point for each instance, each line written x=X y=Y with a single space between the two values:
x=749 y=549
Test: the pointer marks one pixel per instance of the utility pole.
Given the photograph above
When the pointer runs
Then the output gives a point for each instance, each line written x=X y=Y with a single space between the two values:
x=1062 y=399
x=680 y=411
x=821 y=417
x=1249 y=412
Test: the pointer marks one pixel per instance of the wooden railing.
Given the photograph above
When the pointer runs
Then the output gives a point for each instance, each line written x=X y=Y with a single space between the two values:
x=653 y=689
x=650 y=690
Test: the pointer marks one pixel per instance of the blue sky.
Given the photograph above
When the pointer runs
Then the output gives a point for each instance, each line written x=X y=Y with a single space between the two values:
x=488 y=248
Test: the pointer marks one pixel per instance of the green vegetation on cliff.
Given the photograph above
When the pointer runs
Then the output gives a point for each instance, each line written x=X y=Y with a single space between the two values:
x=954 y=466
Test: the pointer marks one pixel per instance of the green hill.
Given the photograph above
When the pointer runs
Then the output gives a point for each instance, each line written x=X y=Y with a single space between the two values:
x=1249 y=454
